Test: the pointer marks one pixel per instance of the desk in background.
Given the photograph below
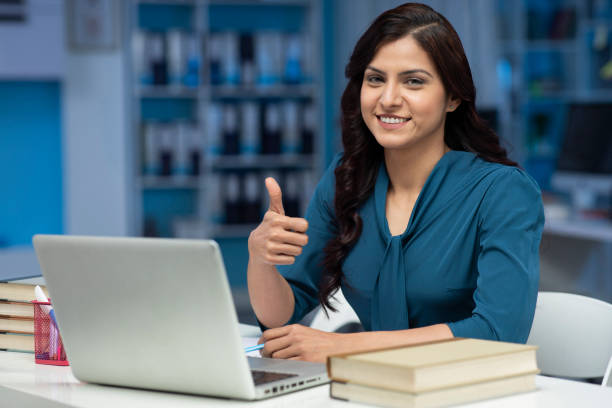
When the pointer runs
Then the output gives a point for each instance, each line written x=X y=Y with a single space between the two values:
x=576 y=257
x=26 y=384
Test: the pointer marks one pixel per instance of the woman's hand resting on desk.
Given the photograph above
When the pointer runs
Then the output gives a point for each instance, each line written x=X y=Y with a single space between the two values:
x=297 y=342
x=278 y=239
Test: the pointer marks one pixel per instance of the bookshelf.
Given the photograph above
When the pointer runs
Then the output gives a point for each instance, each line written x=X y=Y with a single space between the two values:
x=224 y=94
x=552 y=53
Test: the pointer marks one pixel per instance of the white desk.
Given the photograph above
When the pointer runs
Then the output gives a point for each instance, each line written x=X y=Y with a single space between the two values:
x=599 y=230
x=26 y=384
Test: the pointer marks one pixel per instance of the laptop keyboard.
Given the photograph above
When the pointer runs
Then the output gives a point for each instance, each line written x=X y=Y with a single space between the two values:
x=263 y=377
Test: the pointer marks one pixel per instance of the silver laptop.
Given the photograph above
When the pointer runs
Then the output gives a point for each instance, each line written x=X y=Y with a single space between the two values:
x=157 y=314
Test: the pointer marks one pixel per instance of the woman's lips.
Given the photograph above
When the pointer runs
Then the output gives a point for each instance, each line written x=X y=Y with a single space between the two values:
x=391 y=126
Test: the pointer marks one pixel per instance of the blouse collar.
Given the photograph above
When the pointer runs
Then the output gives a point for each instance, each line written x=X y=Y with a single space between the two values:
x=446 y=179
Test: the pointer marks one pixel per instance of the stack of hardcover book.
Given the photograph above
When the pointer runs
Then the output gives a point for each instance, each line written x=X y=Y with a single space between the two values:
x=433 y=374
x=17 y=316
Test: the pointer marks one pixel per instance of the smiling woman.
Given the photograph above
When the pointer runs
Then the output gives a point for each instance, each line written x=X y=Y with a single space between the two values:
x=413 y=99
x=423 y=221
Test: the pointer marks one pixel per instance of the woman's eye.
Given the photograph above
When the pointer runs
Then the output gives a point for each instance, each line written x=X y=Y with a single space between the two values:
x=413 y=82
x=374 y=79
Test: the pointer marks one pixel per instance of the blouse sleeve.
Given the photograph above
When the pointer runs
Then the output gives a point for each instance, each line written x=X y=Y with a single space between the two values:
x=510 y=229
x=305 y=273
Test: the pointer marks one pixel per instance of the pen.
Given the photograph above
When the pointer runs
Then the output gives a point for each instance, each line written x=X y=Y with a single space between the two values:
x=254 y=348
x=53 y=341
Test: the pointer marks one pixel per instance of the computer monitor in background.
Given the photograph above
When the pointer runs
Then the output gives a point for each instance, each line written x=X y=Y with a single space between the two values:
x=584 y=166
x=587 y=147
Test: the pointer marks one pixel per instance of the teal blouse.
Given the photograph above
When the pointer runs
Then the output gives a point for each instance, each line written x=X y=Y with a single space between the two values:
x=468 y=257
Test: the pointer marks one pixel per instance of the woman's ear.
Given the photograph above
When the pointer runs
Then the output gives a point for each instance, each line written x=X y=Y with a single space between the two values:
x=453 y=103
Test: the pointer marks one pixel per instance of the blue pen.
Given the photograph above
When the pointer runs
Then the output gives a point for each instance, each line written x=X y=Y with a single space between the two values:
x=254 y=348
x=52 y=314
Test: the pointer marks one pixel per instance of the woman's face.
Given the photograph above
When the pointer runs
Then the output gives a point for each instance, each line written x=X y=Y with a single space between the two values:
x=403 y=101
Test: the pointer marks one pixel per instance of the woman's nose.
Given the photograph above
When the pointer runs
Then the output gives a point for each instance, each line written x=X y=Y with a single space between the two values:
x=390 y=96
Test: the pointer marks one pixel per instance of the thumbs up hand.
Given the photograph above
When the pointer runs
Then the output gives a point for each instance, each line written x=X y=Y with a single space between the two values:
x=278 y=239
x=276 y=196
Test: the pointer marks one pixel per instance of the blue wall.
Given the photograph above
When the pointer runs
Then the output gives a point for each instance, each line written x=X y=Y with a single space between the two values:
x=30 y=161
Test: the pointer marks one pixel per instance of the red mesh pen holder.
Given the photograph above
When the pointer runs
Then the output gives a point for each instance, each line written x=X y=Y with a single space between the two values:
x=48 y=346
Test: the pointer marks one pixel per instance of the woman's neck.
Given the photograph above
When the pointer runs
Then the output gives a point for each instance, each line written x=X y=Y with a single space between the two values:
x=409 y=169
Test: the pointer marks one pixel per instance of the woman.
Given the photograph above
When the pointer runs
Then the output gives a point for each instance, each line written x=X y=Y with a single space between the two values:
x=426 y=225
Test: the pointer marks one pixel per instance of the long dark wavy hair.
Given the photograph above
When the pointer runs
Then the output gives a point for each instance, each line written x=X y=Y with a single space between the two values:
x=356 y=174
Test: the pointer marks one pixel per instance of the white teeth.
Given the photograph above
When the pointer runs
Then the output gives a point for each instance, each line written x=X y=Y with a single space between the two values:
x=386 y=119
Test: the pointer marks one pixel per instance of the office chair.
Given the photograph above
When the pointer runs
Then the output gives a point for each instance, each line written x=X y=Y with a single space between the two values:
x=345 y=320
x=574 y=335
x=607 y=379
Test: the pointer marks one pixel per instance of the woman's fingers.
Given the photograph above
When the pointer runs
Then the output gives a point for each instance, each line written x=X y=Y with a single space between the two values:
x=277 y=332
x=285 y=249
x=278 y=239
x=275 y=340
x=281 y=342
x=274 y=346
x=287 y=353
x=288 y=223
x=280 y=259
x=289 y=237
x=296 y=224
x=297 y=342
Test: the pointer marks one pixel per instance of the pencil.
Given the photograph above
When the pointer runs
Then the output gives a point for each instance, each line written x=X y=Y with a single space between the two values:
x=253 y=348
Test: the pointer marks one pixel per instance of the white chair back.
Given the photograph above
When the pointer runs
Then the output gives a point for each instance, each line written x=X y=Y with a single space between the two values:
x=344 y=315
x=607 y=379
x=574 y=335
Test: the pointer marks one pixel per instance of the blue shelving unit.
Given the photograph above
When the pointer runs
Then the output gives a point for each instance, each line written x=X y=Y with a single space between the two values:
x=177 y=206
x=553 y=57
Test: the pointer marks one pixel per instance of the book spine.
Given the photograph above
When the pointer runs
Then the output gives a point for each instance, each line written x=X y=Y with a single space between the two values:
x=19 y=342
x=17 y=325
x=24 y=310
x=331 y=391
x=19 y=292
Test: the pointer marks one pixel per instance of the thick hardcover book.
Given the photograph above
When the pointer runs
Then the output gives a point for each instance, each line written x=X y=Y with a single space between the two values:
x=20 y=342
x=18 y=292
x=433 y=399
x=434 y=365
x=15 y=324
x=21 y=309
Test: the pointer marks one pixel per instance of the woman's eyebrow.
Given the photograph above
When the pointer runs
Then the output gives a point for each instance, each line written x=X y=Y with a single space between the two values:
x=409 y=72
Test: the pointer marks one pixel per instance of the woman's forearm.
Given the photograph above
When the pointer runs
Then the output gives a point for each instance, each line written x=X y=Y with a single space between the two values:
x=270 y=294
x=383 y=339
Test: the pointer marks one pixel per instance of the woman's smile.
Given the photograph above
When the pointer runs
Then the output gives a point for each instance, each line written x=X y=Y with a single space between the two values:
x=391 y=122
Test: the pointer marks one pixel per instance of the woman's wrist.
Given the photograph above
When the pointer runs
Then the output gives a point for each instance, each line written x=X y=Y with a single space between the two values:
x=355 y=342
x=255 y=262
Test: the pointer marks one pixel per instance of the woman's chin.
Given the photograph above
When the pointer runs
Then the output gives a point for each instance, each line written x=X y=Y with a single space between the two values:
x=395 y=142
